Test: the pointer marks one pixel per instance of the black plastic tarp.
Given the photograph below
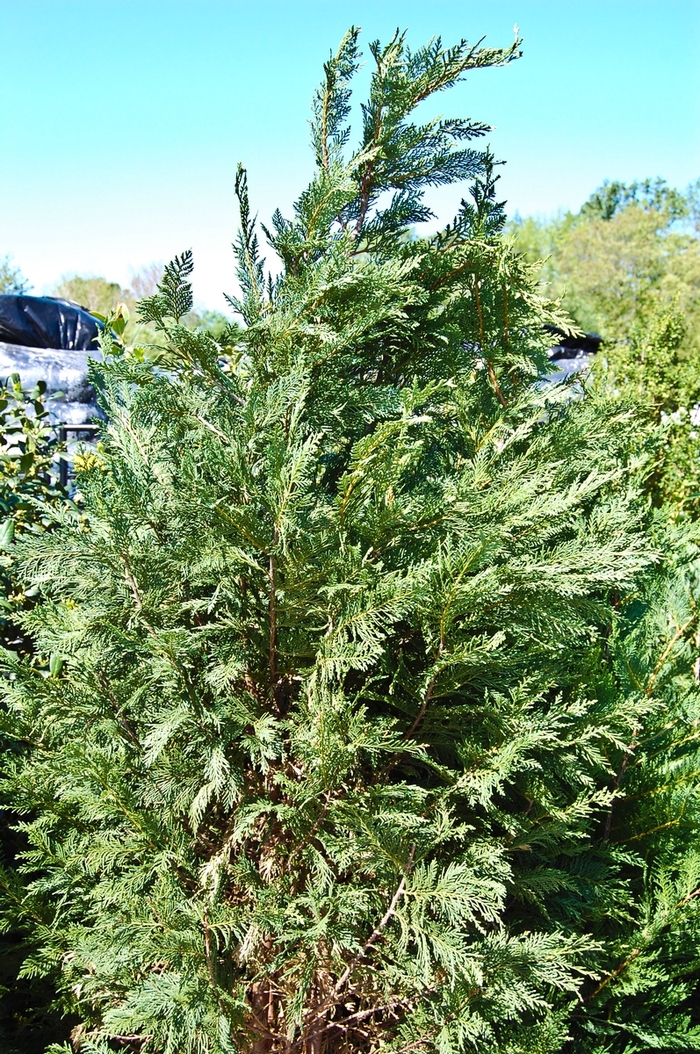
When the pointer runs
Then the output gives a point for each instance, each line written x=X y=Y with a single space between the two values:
x=568 y=346
x=46 y=322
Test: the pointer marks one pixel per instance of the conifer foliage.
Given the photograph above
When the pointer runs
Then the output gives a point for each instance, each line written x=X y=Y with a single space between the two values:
x=356 y=651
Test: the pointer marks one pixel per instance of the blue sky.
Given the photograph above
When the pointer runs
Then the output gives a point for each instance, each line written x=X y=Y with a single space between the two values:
x=121 y=122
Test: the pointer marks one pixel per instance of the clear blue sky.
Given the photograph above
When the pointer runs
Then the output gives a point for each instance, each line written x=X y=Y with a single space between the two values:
x=121 y=122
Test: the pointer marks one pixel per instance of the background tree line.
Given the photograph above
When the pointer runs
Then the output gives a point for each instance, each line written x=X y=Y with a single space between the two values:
x=103 y=297
x=627 y=266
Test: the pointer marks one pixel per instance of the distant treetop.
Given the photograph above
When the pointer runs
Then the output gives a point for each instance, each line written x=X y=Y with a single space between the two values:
x=650 y=194
x=11 y=278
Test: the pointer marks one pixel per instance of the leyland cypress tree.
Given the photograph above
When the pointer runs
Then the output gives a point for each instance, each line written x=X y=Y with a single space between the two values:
x=353 y=646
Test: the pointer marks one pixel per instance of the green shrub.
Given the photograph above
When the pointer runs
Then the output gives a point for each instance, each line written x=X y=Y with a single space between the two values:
x=30 y=495
x=373 y=724
x=29 y=490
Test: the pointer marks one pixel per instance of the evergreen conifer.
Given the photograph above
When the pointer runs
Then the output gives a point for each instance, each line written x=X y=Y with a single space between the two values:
x=371 y=723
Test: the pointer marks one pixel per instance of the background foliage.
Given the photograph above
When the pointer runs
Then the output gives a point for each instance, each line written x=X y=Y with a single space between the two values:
x=30 y=493
x=104 y=297
x=11 y=278
x=628 y=266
